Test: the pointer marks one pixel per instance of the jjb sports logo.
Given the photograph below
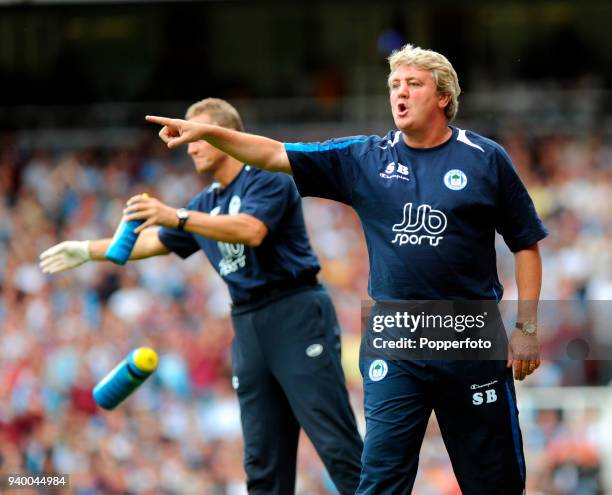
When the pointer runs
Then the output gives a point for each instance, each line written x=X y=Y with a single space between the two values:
x=233 y=256
x=424 y=226
x=378 y=370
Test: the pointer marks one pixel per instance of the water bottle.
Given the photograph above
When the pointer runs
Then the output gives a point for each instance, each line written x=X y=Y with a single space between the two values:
x=123 y=241
x=126 y=377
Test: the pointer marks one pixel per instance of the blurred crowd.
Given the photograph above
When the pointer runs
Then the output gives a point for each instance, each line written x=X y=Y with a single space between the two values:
x=180 y=433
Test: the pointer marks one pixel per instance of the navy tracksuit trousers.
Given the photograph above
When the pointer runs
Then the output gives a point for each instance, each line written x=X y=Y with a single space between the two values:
x=287 y=373
x=475 y=405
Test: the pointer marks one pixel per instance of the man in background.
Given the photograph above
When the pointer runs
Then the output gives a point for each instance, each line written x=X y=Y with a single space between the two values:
x=286 y=350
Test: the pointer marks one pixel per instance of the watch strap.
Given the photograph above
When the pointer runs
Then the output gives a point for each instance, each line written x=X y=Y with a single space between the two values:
x=528 y=327
x=182 y=215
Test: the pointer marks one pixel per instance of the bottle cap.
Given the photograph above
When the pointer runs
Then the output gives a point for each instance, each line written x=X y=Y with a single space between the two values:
x=145 y=359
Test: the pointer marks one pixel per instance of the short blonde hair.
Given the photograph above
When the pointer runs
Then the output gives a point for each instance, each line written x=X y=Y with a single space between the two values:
x=219 y=111
x=442 y=72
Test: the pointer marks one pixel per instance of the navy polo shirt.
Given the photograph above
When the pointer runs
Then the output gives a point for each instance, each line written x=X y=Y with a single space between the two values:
x=429 y=215
x=285 y=253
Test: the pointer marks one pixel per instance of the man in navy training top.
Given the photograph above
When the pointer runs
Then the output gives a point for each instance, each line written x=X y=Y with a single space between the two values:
x=430 y=198
x=286 y=350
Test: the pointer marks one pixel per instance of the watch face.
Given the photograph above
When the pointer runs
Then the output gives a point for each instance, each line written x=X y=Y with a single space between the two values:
x=529 y=328
x=182 y=213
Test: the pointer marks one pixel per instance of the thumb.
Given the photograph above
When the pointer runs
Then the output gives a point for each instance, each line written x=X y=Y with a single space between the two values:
x=176 y=142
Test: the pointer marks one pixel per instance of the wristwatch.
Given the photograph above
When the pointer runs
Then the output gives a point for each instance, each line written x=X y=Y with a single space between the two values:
x=183 y=215
x=527 y=327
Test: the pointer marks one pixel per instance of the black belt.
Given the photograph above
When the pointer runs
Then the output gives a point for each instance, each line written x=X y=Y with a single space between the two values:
x=269 y=290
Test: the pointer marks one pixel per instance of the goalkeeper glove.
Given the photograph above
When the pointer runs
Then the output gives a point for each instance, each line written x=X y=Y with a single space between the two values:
x=64 y=256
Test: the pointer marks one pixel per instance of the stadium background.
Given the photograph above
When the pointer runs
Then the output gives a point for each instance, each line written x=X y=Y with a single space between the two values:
x=77 y=79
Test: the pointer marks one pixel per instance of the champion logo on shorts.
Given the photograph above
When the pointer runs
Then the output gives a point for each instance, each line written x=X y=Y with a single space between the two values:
x=378 y=370
x=314 y=350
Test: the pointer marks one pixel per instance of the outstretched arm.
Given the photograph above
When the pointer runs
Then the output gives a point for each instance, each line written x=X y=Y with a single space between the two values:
x=146 y=246
x=259 y=151
x=70 y=254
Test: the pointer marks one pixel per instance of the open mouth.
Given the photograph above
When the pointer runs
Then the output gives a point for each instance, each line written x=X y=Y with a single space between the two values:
x=402 y=108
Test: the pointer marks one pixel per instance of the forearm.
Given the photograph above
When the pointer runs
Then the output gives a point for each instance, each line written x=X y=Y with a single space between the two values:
x=528 y=267
x=241 y=228
x=147 y=245
x=259 y=151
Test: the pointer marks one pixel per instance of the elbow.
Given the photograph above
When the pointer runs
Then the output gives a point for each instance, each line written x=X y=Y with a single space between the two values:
x=256 y=236
x=280 y=161
x=250 y=231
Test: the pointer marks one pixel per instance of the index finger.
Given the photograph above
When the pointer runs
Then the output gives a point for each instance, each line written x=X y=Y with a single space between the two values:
x=159 y=120
x=136 y=198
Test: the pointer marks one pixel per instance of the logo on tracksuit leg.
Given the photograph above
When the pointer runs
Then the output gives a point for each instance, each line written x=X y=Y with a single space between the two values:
x=378 y=370
x=486 y=396
x=314 y=350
